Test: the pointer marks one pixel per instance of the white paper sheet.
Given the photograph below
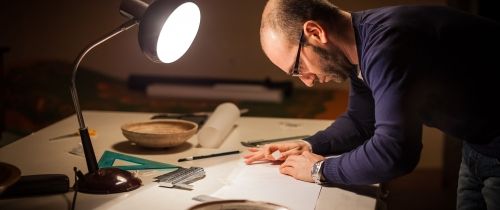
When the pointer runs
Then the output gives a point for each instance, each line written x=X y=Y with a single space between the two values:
x=264 y=182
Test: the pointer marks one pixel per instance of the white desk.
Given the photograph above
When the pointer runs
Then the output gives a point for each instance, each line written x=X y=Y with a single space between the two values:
x=35 y=154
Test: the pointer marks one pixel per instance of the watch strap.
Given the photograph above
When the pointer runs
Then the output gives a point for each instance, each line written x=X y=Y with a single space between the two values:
x=316 y=172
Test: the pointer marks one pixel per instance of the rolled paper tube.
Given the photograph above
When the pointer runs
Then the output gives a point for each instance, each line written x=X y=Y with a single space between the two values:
x=218 y=125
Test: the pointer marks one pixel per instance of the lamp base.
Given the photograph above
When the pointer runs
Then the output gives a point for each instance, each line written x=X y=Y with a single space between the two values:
x=107 y=181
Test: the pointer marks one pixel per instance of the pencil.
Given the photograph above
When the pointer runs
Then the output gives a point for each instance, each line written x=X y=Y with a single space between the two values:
x=208 y=156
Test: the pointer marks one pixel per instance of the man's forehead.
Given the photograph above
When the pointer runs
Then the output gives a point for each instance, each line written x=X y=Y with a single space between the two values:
x=277 y=49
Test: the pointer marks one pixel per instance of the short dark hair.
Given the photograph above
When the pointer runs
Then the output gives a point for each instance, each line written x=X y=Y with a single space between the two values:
x=288 y=16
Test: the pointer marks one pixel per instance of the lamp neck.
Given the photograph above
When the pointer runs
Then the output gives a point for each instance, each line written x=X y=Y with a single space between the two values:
x=127 y=25
x=84 y=134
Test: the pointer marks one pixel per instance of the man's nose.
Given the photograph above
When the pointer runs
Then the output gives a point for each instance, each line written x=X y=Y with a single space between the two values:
x=308 y=79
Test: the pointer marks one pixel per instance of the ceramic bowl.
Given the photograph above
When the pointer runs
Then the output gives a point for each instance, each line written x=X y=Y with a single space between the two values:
x=159 y=134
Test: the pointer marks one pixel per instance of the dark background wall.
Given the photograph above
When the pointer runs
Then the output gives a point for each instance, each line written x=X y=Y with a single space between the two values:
x=227 y=45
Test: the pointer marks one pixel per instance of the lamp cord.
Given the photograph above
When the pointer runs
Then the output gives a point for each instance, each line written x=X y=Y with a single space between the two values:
x=75 y=188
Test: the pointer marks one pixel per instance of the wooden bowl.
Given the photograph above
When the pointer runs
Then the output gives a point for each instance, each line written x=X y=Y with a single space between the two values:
x=159 y=134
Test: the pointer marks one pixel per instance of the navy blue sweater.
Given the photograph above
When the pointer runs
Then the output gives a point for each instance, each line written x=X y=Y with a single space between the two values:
x=419 y=65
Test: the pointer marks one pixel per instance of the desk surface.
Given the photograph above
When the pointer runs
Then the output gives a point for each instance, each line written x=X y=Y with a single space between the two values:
x=35 y=154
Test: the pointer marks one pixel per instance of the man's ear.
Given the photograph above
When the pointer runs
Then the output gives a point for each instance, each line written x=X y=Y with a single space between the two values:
x=315 y=32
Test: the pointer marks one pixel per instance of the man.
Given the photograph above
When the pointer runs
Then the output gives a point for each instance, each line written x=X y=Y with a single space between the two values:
x=407 y=66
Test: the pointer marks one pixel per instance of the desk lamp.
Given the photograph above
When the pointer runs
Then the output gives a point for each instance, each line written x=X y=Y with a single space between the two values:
x=166 y=30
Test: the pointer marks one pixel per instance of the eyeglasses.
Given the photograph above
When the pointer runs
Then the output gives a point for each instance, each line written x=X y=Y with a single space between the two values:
x=294 y=72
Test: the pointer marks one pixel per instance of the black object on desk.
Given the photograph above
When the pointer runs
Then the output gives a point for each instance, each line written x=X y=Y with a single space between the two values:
x=42 y=184
x=9 y=175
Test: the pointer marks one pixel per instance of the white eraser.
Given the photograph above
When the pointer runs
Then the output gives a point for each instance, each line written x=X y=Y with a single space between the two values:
x=166 y=184
x=276 y=155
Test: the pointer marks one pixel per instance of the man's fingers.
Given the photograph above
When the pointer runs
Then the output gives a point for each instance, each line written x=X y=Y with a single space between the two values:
x=265 y=153
x=307 y=154
x=253 y=149
x=246 y=156
x=287 y=153
x=253 y=157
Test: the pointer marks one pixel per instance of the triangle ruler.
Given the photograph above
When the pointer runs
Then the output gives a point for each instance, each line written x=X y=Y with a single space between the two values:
x=108 y=160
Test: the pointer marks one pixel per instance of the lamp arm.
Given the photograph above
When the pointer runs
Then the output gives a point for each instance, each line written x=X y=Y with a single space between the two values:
x=84 y=134
x=127 y=25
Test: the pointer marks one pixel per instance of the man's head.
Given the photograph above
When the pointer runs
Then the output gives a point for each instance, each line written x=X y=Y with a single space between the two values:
x=283 y=22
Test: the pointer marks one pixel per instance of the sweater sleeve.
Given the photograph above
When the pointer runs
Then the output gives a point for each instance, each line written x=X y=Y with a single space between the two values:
x=393 y=150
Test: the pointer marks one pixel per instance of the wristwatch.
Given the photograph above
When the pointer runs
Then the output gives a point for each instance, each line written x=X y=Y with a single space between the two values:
x=317 y=172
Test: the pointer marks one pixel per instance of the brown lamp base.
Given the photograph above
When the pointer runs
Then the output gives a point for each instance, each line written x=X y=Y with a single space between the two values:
x=107 y=181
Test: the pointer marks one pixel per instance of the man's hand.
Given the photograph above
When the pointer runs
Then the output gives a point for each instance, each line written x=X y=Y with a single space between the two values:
x=299 y=166
x=286 y=149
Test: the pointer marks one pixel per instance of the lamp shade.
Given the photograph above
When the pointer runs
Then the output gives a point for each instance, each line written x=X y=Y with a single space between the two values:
x=167 y=29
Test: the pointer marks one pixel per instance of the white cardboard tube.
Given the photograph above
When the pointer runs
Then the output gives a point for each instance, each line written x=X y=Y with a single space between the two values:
x=218 y=125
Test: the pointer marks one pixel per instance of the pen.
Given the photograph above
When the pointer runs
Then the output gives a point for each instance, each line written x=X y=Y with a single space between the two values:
x=208 y=156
